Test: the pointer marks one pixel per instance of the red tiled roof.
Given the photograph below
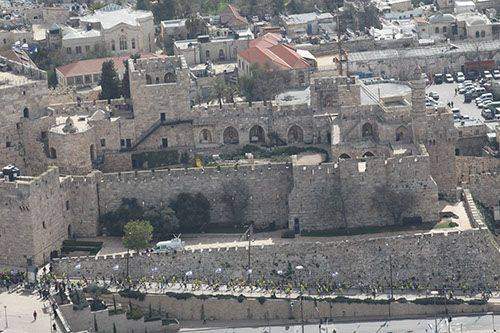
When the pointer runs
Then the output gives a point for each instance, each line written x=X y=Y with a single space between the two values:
x=236 y=14
x=281 y=56
x=266 y=41
x=94 y=66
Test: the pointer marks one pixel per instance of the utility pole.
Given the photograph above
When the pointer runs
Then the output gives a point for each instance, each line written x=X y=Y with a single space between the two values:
x=339 y=42
x=6 y=322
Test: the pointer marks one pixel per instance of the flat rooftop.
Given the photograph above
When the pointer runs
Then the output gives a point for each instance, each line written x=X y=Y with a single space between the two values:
x=424 y=52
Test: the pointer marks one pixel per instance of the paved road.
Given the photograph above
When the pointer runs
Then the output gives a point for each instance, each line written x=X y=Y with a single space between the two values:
x=446 y=93
x=477 y=324
x=19 y=307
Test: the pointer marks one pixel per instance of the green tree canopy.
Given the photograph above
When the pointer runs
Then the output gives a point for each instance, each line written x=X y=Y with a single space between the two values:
x=143 y=5
x=193 y=211
x=137 y=235
x=110 y=83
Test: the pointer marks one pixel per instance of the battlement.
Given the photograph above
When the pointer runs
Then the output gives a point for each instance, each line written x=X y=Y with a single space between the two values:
x=139 y=68
x=359 y=259
x=26 y=183
x=207 y=172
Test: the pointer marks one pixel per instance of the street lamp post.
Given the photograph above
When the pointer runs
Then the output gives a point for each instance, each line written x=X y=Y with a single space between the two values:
x=6 y=322
x=434 y=293
x=300 y=268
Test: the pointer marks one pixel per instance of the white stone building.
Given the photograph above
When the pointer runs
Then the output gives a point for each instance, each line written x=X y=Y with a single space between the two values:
x=113 y=30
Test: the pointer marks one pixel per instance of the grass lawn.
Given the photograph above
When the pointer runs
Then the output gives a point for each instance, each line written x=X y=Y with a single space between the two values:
x=446 y=224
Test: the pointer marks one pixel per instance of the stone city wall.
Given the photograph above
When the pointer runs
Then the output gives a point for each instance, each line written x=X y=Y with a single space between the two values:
x=268 y=187
x=480 y=176
x=341 y=195
x=455 y=259
x=223 y=309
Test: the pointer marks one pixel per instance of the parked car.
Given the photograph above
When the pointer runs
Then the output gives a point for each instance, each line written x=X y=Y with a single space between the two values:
x=487 y=75
x=484 y=104
x=438 y=78
x=460 y=77
x=169 y=246
x=487 y=114
x=496 y=74
x=448 y=78
x=434 y=95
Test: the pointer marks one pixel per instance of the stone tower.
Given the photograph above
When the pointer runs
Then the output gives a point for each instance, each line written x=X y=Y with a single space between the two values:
x=418 y=113
x=435 y=129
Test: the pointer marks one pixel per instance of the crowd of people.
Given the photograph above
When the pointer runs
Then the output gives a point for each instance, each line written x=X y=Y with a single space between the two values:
x=463 y=262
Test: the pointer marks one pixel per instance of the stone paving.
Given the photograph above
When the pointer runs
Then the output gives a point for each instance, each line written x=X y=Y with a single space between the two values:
x=19 y=306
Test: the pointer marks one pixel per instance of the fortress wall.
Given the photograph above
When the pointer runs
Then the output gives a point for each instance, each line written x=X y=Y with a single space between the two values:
x=354 y=184
x=80 y=205
x=480 y=176
x=429 y=260
x=268 y=188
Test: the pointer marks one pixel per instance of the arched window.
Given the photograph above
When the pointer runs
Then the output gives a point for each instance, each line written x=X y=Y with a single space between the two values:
x=295 y=135
x=483 y=33
x=92 y=152
x=302 y=78
x=205 y=136
x=477 y=34
x=222 y=55
x=26 y=113
x=207 y=55
x=230 y=136
x=53 y=153
x=344 y=156
x=113 y=46
x=257 y=134
x=436 y=30
x=148 y=79
x=123 y=43
x=132 y=42
x=368 y=154
x=402 y=134
x=157 y=80
x=367 y=130
x=169 y=78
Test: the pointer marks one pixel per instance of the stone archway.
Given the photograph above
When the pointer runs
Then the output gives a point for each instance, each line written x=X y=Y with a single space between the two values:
x=231 y=136
x=169 y=78
x=344 y=156
x=368 y=154
x=205 y=136
x=402 y=134
x=295 y=135
x=257 y=134
x=367 y=130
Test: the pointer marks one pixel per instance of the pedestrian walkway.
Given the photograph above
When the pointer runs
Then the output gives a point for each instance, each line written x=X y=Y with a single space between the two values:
x=16 y=312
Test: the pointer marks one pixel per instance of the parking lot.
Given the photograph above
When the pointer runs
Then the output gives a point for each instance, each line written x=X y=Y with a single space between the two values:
x=446 y=92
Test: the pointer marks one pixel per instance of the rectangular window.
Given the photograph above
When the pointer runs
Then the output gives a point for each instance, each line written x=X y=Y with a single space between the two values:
x=87 y=48
x=67 y=205
x=88 y=78
x=103 y=142
x=8 y=144
x=129 y=143
x=78 y=49
x=164 y=143
x=68 y=50
x=122 y=142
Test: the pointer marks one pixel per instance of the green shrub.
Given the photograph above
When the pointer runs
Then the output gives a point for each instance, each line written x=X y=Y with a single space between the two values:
x=192 y=211
x=156 y=159
x=179 y=296
x=288 y=233
x=261 y=299
x=240 y=298
x=134 y=294
x=135 y=313
x=477 y=302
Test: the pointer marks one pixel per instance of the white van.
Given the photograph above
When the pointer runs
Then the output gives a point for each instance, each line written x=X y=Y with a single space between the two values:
x=169 y=246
